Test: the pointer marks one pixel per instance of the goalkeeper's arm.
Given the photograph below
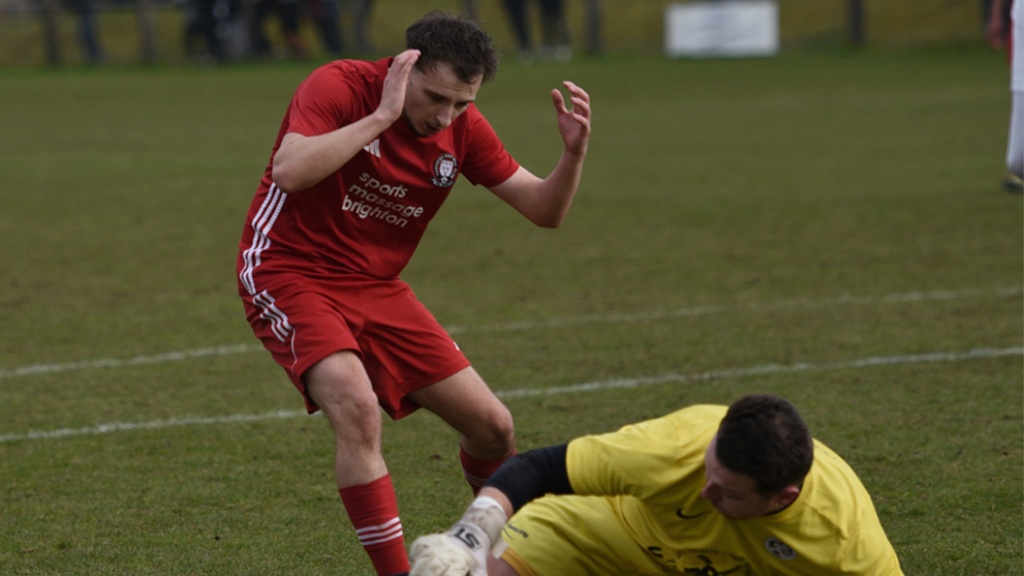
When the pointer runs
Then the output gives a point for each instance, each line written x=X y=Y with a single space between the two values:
x=529 y=475
x=465 y=547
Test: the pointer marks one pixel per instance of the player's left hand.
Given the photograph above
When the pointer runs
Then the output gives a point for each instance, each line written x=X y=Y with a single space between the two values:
x=574 y=124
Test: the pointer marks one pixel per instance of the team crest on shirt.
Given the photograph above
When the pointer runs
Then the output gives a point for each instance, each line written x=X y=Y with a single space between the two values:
x=446 y=168
x=776 y=548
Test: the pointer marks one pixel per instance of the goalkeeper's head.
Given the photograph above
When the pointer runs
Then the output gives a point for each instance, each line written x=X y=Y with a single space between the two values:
x=757 y=462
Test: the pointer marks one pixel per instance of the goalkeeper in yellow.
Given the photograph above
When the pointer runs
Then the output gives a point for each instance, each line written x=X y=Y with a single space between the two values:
x=707 y=490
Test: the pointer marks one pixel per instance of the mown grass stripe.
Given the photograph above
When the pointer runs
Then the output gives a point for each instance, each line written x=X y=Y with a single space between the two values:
x=230 y=349
x=875 y=361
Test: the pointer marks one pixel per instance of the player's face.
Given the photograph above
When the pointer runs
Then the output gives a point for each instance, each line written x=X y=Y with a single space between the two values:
x=435 y=98
x=733 y=494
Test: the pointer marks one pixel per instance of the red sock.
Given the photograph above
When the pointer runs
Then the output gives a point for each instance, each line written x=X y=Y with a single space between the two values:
x=477 y=471
x=373 y=510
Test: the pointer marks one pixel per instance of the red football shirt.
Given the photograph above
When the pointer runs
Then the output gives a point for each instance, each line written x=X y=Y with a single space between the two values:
x=368 y=217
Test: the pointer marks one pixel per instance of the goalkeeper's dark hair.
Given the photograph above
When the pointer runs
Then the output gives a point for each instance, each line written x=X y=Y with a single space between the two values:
x=764 y=437
x=442 y=37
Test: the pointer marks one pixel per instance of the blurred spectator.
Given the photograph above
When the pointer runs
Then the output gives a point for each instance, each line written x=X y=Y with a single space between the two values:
x=192 y=31
x=288 y=13
x=554 y=29
x=325 y=16
x=1006 y=30
x=88 y=34
x=520 y=27
x=997 y=23
x=208 y=24
x=359 y=12
x=1014 y=181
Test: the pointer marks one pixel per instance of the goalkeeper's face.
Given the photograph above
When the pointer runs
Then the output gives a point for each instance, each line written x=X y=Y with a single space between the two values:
x=735 y=495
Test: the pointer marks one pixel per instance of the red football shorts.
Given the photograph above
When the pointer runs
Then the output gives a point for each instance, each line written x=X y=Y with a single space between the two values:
x=402 y=346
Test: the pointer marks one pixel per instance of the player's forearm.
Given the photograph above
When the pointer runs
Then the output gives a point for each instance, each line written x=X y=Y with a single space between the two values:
x=558 y=191
x=545 y=202
x=303 y=161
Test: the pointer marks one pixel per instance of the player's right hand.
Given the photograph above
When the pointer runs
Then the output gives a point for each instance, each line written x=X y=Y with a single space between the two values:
x=392 y=100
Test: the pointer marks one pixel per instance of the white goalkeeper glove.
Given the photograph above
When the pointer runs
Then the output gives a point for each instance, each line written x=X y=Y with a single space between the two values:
x=463 y=549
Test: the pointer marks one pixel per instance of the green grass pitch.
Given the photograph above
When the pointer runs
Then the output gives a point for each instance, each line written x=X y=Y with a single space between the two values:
x=829 y=227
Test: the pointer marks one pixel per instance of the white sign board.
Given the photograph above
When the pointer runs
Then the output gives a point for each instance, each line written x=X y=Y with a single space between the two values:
x=722 y=28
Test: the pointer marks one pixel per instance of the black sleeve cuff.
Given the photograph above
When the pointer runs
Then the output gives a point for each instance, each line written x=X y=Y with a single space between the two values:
x=533 y=474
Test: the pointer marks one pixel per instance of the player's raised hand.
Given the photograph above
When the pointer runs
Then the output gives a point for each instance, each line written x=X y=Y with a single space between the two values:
x=392 y=99
x=574 y=123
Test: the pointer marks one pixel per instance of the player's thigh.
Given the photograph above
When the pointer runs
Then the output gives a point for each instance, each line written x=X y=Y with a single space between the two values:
x=572 y=536
x=465 y=402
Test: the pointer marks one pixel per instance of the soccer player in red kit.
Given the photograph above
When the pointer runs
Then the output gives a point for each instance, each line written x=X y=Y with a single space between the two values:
x=365 y=156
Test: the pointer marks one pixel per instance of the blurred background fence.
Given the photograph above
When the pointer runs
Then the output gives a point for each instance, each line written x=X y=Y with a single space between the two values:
x=73 y=32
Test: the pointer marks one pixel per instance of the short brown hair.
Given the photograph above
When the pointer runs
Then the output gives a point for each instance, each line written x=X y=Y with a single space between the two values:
x=462 y=43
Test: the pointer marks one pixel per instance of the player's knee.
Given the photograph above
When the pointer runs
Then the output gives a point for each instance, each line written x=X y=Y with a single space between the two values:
x=354 y=416
x=360 y=433
x=497 y=435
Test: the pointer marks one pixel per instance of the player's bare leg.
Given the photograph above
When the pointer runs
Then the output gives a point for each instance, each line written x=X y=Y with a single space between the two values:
x=485 y=426
x=341 y=388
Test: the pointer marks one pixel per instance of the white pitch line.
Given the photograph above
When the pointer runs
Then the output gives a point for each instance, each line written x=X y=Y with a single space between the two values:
x=136 y=361
x=845 y=300
x=111 y=427
x=982 y=353
x=764 y=369
x=226 y=350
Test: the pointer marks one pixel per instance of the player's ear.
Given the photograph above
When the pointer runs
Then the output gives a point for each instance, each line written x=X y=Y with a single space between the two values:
x=787 y=496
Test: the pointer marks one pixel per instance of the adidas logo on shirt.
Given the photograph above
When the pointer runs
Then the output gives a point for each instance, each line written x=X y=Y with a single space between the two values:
x=373 y=147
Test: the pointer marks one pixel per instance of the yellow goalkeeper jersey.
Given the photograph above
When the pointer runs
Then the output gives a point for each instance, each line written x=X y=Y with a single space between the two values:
x=652 y=473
